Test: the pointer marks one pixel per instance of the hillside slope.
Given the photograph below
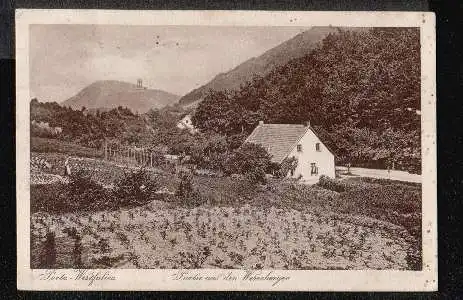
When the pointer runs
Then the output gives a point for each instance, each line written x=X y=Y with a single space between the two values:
x=296 y=47
x=360 y=90
x=108 y=94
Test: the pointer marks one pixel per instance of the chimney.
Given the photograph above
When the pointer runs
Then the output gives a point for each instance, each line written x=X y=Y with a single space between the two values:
x=261 y=122
x=307 y=123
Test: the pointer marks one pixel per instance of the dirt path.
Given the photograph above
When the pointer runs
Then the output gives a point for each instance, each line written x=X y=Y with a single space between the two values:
x=384 y=174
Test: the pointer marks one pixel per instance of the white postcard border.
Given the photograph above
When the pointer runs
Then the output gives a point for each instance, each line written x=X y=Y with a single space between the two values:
x=152 y=279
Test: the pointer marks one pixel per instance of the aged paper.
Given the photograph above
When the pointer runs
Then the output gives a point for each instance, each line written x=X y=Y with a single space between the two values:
x=226 y=150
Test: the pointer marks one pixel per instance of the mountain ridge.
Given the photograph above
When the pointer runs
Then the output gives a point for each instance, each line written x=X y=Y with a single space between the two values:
x=298 y=46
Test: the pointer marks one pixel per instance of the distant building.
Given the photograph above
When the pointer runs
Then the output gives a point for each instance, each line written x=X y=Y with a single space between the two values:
x=46 y=127
x=186 y=123
x=299 y=141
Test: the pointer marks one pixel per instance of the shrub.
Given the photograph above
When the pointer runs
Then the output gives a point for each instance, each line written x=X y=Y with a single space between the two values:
x=342 y=185
x=84 y=193
x=300 y=196
x=288 y=164
x=49 y=251
x=251 y=160
x=332 y=184
x=135 y=188
x=186 y=192
x=81 y=193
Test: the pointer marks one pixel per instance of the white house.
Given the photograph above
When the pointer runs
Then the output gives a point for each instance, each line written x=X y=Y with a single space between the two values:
x=186 y=123
x=299 y=141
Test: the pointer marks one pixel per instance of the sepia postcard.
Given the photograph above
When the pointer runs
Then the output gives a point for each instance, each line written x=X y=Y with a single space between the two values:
x=226 y=150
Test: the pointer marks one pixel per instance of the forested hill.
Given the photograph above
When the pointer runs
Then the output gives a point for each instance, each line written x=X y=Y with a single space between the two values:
x=295 y=47
x=360 y=90
x=109 y=94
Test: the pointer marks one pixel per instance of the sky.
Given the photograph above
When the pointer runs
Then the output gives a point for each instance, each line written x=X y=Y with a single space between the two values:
x=66 y=58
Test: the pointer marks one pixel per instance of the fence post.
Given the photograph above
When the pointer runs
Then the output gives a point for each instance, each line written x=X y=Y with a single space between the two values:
x=151 y=159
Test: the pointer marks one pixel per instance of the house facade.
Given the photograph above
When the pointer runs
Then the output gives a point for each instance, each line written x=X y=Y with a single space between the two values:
x=186 y=123
x=283 y=141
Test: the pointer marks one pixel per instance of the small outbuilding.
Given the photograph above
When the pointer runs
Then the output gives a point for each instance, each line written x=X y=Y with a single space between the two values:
x=283 y=141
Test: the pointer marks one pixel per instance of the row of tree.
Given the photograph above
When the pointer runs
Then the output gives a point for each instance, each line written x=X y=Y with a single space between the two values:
x=89 y=128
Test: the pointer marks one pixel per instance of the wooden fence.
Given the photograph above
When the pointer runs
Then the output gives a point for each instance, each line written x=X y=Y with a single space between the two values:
x=130 y=156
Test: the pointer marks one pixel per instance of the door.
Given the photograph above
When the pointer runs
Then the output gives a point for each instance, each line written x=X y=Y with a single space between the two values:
x=313 y=169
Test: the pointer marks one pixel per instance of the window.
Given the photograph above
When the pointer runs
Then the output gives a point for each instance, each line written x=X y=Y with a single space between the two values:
x=299 y=148
x=317 y=146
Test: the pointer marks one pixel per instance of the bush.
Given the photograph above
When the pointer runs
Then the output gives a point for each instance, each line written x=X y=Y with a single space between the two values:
x=186 y=192
x=333 y=184
x=48 y=258
x=250 y=160
x=84 y=194
x=344 y=185
x=288 y=164
x=135 y=188
x=81 y=193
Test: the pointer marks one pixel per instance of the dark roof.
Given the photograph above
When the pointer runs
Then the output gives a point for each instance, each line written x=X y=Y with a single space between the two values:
x=279 y=139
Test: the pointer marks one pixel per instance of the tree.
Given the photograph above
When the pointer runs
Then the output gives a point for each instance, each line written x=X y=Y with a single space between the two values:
x=251 y=160
x=288 y=165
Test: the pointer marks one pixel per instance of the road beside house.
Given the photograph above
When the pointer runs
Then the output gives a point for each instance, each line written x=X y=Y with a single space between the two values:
x=381 y=174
